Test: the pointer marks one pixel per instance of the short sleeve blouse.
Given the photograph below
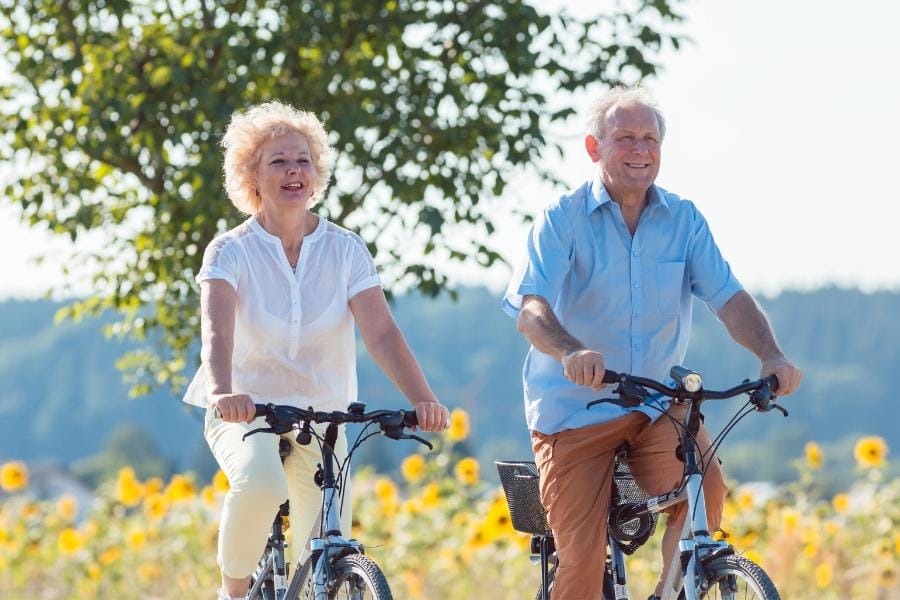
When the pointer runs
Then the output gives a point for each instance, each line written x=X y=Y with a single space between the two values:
x=294 y=333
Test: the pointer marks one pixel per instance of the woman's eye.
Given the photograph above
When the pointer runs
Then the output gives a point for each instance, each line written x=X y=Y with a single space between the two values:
x=277 y=161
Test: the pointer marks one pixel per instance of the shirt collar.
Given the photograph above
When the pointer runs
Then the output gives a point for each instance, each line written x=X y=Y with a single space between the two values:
x=598 y=196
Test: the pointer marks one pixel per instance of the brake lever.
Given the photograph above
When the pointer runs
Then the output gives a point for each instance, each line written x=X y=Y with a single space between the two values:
x=780 y=408
x=258 y=430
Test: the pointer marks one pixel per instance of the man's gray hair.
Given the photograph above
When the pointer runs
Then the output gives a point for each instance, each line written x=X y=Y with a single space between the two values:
x=622 y=96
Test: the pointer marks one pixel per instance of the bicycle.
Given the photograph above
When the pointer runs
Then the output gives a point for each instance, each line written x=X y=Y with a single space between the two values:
x=703 y=566
x=337 y=567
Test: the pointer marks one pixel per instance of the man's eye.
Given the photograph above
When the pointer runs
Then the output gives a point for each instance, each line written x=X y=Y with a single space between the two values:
x=626 y=138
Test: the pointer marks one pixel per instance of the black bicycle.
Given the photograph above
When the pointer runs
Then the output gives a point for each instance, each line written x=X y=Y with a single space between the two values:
x=337 y=567
x=703 y=567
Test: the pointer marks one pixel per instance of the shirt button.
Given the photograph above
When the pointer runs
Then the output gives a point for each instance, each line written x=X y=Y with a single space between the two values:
x=637 y=284
x=637 y=347
x=637 y=316
x=636 y=253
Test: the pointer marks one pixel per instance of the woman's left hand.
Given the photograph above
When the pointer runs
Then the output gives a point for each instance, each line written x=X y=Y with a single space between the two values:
x=432 y=416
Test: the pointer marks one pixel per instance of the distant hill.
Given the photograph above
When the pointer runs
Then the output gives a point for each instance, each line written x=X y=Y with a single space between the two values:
x=62 y=398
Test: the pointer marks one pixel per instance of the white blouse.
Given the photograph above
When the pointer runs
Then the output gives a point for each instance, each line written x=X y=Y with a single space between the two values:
x=294 y=333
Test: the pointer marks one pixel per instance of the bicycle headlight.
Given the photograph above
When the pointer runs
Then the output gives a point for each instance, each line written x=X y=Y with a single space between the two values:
x=693 y=382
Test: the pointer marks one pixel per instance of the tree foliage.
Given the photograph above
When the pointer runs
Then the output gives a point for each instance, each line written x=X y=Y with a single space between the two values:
x=116 y=107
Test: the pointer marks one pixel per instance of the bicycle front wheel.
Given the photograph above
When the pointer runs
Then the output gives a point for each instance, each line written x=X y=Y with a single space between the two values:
x=356 y=577
x=737 y=578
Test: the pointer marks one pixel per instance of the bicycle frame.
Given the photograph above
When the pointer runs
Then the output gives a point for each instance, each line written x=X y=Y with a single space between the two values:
x=332 y=544
x=695 y=543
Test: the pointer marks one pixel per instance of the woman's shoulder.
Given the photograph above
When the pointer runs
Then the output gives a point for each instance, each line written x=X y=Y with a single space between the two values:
x=337 y=235
x=228 y=241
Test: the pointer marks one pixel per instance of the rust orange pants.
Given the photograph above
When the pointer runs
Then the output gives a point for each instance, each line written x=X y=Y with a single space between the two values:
x=576 y=467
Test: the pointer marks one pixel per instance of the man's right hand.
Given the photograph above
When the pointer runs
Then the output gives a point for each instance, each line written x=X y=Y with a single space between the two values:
x=584 y=367
x=234 y=408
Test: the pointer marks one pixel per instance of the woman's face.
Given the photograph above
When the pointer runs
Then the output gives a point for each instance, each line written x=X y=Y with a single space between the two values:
x=285 y=177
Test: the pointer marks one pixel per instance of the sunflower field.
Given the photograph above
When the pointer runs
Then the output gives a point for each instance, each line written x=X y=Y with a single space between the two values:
x=439 y=530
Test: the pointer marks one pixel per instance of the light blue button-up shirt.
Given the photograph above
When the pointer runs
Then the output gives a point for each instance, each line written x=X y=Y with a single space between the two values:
x=626 y=297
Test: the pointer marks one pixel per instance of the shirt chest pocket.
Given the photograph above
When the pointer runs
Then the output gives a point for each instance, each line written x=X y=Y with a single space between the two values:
x=669 y=284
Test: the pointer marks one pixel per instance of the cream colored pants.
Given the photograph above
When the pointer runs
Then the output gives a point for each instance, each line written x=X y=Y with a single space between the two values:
x=260 y=484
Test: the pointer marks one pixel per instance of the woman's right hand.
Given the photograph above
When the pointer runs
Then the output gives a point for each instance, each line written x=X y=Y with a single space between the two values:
x=234 y=408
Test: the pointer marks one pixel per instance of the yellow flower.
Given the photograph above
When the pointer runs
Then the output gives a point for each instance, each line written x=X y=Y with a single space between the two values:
x=431 y=495
x=813 y=455
x=870 y=451
x=220 y=482
x=110 y=556
x=13 y=476
x=745 y=500
x=70 y=541
x=156 y=506
x=67 y=507
x=831 y=528
x=94 y=572
x=753 y=555
x=385 y=489
x=840 y=502
x=30 y=510
x=129 y=490
x=499 y=521
x=136 y=539
x=413 y=467
x=823 y=575
x=790 y=519
x=209 y=496
x=459 y=425
x=467 y=471
x=897 y=543
x=180 y=488
x=153 y=485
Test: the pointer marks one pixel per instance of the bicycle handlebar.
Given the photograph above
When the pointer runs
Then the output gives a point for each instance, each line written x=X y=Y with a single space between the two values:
x=630 y=389
x=284 y=418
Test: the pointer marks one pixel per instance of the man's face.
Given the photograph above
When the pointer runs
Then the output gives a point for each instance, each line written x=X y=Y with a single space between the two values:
x=629 y=151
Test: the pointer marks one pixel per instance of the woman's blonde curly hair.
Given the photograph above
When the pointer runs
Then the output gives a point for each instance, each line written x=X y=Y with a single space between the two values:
x=243 y=140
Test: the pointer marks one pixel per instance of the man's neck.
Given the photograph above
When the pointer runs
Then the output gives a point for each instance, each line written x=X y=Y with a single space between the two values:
x=631 y=204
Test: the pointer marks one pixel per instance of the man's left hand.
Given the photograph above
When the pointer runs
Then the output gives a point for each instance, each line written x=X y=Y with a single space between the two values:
x=789 y=376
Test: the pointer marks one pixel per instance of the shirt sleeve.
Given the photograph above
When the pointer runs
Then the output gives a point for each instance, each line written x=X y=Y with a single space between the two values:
x=711 y=278
x=363 y=274
x=546 y=264
x=220 y=262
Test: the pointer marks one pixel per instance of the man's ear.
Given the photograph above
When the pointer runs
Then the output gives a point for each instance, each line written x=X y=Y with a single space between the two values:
x=592 y=145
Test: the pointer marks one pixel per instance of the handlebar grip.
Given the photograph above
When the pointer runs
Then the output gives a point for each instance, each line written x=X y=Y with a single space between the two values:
x=772 y=380
x=261 y=410
x=410 y=419
x=611 y=376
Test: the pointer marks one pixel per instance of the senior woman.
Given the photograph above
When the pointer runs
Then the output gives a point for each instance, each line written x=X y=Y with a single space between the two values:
x=279 y=297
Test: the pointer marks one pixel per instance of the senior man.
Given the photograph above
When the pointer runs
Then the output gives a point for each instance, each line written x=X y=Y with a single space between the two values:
x=608 y=281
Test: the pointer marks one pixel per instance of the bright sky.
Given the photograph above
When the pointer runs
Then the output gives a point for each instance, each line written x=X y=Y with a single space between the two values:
x=783 y=124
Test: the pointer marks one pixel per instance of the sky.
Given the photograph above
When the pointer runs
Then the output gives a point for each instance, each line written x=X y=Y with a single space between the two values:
x=783 y=124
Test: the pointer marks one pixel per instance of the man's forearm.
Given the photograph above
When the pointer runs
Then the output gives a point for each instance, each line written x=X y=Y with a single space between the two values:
x=749 y=326
x=539 y=325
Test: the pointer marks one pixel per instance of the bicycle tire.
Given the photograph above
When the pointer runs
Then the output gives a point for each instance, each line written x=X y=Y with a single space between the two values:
x=356 y=576
x=608 y=590
x=735 y=577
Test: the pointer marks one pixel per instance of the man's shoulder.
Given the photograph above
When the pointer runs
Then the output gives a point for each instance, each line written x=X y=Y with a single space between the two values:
x=571 y=204
x=679 y=206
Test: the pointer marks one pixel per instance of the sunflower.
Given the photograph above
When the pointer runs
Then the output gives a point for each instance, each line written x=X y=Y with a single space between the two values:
x=413 y=467
x=67 y=507
x=180 y=488
x=13 y=476
x=467 y=471
x=431 y=495
x=824 y=575
x=156 y=506
x=136 y=539
x=70 y=541
x=220 y=482
x=870 y=451
x=813 y=455
x=459 y=425
x=129 y=490
x=840 y=502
